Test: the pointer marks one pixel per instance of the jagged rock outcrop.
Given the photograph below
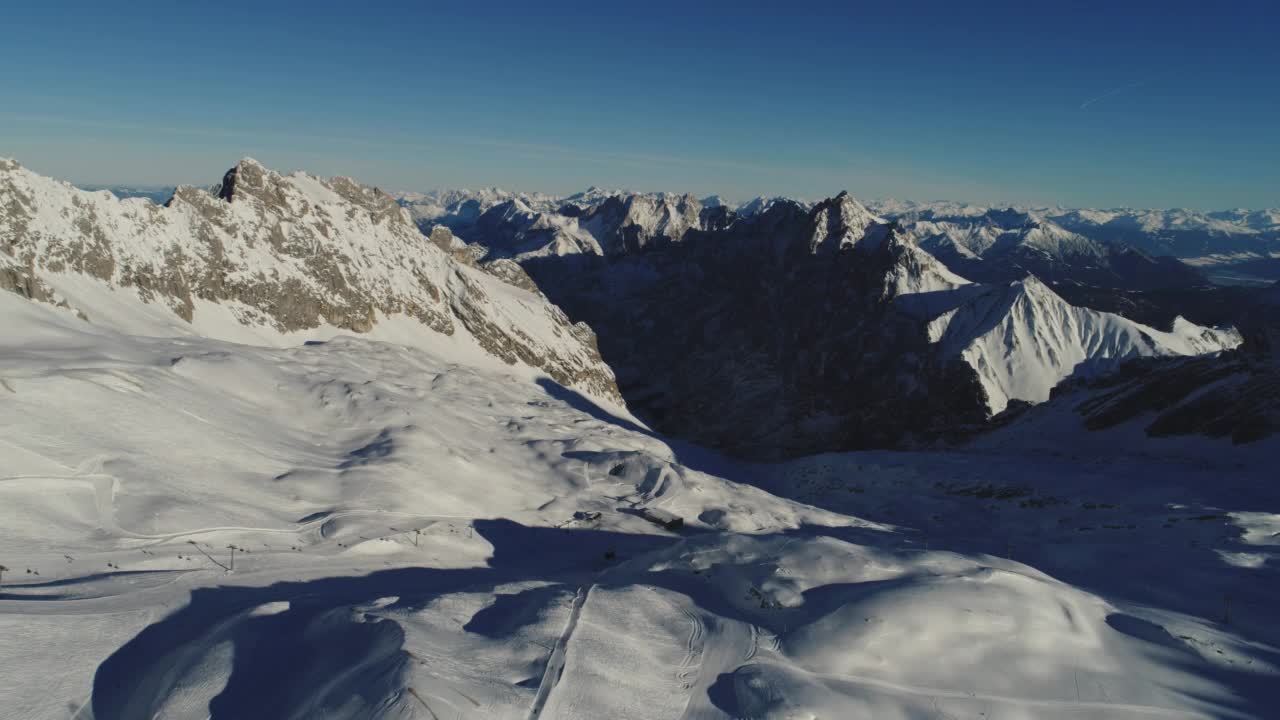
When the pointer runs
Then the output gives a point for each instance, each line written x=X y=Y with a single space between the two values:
x=597 y=222
x=292 y=252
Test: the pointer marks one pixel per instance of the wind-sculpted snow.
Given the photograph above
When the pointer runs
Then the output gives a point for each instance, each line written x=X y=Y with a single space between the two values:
x=289 y=253
x=354 y=529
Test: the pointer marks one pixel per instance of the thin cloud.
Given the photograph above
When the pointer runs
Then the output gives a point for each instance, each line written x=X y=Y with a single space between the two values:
x=1111 y=93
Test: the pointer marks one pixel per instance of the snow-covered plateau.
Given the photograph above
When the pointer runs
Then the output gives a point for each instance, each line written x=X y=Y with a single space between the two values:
x=418 y=494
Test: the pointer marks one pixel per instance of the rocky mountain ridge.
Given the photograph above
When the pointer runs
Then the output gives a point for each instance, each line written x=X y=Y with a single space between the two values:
x=290 y=253
x=983 y=244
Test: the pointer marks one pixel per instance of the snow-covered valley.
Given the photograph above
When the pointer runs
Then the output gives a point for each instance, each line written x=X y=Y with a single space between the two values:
x=418 y=537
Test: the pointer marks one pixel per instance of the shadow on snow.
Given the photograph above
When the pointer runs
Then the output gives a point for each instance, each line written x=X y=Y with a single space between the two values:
x=296 y=648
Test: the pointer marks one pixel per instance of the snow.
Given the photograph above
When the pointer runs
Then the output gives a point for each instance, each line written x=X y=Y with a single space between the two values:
x=424 y=535
x=920 y=274
x=1023 y=340
x=843 y=222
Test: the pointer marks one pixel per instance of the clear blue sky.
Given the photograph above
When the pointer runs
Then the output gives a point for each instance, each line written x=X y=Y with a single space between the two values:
x=1100 y=104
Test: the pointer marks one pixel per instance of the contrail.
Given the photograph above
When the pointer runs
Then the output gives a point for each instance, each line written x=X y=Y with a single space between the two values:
x=1113 y=91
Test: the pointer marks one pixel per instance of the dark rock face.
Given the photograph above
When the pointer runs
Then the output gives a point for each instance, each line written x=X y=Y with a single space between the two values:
x=1117 y=268
x=1210 y=305
x=753 y=342
x=1234 y=394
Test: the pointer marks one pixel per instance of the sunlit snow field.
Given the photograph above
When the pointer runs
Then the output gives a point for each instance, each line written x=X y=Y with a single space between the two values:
x=350 y=528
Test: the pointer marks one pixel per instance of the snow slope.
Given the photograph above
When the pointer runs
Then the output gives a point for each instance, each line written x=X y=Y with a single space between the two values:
x=357 y=529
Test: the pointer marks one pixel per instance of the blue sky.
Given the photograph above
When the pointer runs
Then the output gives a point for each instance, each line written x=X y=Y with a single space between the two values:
x=1099 y=104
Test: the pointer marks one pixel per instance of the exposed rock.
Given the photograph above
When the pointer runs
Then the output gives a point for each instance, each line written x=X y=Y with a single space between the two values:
x=1234 y=395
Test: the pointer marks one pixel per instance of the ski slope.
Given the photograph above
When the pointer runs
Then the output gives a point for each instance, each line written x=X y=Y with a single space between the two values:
x=353 y=528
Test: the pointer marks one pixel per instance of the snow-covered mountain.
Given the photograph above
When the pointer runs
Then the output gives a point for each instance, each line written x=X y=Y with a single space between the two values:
x=1235 y=395
x=271 y=255
x=1004 y=245
x=1024 y=339
x=1231 y=246
x=1179 y=232
x=460 y=208
x=1218 y=226
x=1204 y=239
x=801 y=328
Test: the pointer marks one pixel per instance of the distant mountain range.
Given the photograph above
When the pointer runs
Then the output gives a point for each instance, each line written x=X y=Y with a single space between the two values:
x=158 y=194
x=1125 y=248
x=1231 y=247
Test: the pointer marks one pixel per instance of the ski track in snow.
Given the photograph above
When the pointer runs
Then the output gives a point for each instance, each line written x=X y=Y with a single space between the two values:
x=555 y=663
x=1109 y=709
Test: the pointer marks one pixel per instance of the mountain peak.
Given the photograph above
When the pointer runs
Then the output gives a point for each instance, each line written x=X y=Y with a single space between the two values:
x=1031 y=283
x=842 y=221
x=248 y=175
